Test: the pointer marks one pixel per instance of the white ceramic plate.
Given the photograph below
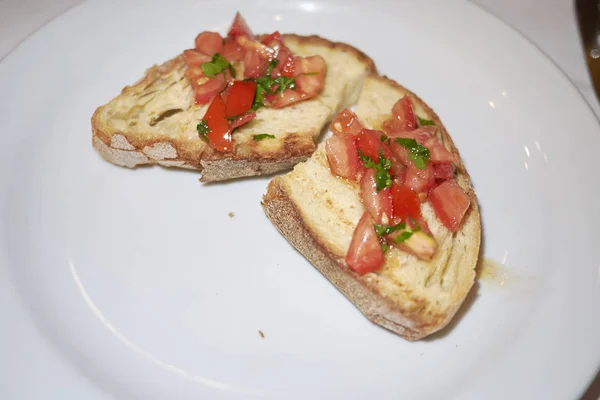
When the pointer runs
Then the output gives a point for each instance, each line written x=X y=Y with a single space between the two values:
x=137 y=284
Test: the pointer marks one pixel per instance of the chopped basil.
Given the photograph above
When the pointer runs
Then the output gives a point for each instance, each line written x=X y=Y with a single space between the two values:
x=403 y=237
x=233 y=117
x=382 y=176
x=264 y=84
x=384 y=246
x=419 y=155
x=203 y=130
x=262 y=136
x=382 y=138
x=425 y=122
x=383 y=230
x=218 y=65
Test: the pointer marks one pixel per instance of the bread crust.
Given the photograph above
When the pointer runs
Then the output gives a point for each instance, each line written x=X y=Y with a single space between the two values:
x=126 y=150
x=406 y=322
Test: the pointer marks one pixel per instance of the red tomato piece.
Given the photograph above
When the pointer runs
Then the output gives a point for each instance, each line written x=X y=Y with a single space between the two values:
x=194 y=59
x=443 y=170
x=240 y=97
x=219 y=137
x=346 y=122
x=232 y=51
x=450 y=204
x=342 y=156
x=405 y=202
x=242 y=120
x=311 y=74
x=209 y=43
x=207 y=88
x=369 y=142
x=378 y=204
x=254 y=65
x=420 y=180
x=438 y=152
x=250 y=45
x=403 y=115
x=286 y=98
x=365 y=254
x=239 y=27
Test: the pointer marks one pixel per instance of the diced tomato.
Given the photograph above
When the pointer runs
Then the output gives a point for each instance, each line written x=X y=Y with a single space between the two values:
x=239 y=27
x=438 y=152
x=208 y=89
x=194 y=59
x=403 y=115
x=369 y=142
x=242 y=120
x=311 y=74
x=443 y=170
x=405 y=202
x=420 y=244
x=209 y=43
x=219 y=137
x=232 y=51
x=286 y=98
x=450 y=204
x=287 y=65
x=240 y=97
x=194 y=74
x=250 y=45
x=420 y=180
x=342 y=156
x=346 y=122
x=365 y=254
x=378 y=204
x=273 y=40
x=397 y=170
x=254 y=65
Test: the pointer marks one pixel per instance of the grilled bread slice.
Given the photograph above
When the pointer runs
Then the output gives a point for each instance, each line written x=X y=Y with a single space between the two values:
x=317 y=213
x=154 y=121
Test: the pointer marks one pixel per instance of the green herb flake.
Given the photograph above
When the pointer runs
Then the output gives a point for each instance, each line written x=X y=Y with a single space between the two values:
x=384 y=246
x=383 y=138
x=217 y=65
x=265 y=85
x=383 y=230
x=203 y=130
x=262 y=136
x=381 y=167
x=425 y=122
x=404 y=236
x=419 y=155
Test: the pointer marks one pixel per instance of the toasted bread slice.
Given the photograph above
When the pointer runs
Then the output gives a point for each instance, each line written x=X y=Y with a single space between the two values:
x=154 y=121
x=317 y=213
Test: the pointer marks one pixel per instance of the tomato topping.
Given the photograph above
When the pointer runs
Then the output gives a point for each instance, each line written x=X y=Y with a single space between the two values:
x=254 y=65
x=288 y=97
x=420 y=180
x=250 y=45
x=242 y=120
x=219 y=136
x=365 y=254
x=403 y=116
x=443 y=170
x=239 y=27
x=450 y=204
x=342 y=156
x=194 y=59
x=346 y=122
x=369 y=142
x=232 y=51
x=378 y=204
x=209 y=43
x=438 y=152
x=311 y=74
x=240 y=97
x=208 y=89
x=405 y=202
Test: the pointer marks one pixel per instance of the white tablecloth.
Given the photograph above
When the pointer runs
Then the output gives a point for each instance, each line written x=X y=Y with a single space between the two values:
x=549 y=24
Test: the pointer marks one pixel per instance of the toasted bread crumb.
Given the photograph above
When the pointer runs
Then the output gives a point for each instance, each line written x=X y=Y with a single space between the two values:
x=262 y=335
